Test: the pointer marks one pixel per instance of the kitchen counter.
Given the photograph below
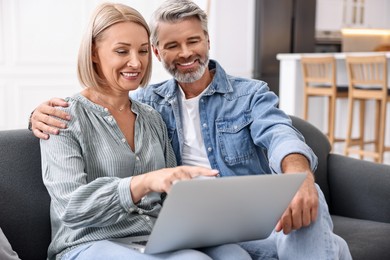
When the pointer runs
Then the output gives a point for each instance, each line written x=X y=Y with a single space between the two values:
x=291 y=95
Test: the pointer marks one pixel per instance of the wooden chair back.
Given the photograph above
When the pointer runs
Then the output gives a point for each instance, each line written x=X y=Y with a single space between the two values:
x=367 y=76
x=319 y=71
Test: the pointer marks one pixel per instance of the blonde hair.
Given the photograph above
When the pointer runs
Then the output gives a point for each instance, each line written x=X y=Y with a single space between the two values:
x=106 y=15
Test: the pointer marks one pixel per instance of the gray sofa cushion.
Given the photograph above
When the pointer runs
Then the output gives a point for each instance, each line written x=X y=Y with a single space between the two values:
x=359 y=189
x=25 y=202
x=366 y=239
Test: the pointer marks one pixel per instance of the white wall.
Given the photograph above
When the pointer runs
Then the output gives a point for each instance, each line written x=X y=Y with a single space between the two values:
x=39 y=42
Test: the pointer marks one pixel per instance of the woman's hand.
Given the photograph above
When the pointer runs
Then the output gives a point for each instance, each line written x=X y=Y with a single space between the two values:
x=162 y=180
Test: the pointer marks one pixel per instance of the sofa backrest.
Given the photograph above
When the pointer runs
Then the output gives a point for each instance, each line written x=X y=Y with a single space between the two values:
x=24 y=200
x=320 y=145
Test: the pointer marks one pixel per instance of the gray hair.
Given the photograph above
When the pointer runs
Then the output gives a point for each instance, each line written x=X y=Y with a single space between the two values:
x=172 y=11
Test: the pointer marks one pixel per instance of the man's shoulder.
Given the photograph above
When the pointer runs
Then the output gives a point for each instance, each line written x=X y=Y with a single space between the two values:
x=247 y=86
x=255 y=83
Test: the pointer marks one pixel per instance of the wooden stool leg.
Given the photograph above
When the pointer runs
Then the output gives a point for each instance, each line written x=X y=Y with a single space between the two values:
x=331 y=119
x=377 y=124
x=349 y=125
x=305 y=106
x=361 y=126
x=382 y=124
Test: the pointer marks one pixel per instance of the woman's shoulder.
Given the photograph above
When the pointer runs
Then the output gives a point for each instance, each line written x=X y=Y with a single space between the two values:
x=148 y=113
x=77 y=103
x=144 y=108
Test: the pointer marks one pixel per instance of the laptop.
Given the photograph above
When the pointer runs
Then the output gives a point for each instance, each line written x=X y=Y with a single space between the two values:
x=209 y=212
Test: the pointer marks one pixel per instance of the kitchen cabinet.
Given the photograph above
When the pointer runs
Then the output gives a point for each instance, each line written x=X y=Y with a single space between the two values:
x=333 y=15
x=377 y=14
x=329 y=15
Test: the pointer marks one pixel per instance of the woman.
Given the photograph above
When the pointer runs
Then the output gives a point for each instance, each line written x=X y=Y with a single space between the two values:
x=106 y=172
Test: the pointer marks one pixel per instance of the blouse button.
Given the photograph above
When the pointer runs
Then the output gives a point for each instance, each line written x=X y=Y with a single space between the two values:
x=123 y=140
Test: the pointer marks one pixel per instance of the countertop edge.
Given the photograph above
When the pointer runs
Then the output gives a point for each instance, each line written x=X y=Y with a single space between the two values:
x=338 y=55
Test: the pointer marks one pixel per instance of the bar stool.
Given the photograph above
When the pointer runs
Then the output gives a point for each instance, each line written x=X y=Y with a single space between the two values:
x=319 y=77
x=367 y=77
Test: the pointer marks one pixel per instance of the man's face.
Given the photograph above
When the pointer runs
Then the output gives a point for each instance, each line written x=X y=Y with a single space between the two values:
x=183 y=49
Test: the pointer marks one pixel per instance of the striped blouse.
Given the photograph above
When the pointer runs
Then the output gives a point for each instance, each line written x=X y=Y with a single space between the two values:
x=87 y=170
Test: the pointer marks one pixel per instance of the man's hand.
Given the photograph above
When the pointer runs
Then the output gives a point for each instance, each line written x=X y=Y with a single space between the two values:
x=42 y=122
x=303 y=209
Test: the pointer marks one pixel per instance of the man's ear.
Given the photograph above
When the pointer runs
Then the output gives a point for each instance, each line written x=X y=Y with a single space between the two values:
x=156 y=52
x=208 y=40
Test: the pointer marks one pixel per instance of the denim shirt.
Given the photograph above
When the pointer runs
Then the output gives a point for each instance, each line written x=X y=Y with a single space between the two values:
x=243 y=130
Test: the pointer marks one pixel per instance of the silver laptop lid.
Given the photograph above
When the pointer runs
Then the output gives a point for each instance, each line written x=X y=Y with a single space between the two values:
x=201 y=213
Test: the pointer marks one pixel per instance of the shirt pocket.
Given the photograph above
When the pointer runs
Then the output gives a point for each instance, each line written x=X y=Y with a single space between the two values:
x=234 y=138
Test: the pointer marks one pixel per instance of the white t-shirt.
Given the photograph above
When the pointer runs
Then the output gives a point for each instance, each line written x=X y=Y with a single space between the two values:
x=194 y=151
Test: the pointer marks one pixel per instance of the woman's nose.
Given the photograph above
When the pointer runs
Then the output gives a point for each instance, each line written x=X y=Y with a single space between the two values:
x=133 y=61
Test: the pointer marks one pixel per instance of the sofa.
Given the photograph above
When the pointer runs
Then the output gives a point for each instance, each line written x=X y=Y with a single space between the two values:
x=357 y=192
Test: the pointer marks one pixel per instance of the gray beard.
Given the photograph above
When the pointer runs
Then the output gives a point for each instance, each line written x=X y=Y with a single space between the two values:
x=189 y=77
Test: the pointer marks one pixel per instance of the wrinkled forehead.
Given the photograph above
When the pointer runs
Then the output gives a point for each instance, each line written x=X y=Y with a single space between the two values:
x=180 y=29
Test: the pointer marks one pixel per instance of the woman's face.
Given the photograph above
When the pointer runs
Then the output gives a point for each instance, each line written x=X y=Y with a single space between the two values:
x=122 y=56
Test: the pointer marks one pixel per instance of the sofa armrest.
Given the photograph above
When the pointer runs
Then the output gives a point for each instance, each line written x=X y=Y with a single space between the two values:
x=24 y=200
x=359 y=189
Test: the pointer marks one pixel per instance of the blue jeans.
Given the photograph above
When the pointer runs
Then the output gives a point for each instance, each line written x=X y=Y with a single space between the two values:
x=316 y=241
x=108 y=249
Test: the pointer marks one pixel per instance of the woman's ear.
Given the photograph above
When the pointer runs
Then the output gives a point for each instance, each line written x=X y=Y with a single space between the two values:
x=95 y=57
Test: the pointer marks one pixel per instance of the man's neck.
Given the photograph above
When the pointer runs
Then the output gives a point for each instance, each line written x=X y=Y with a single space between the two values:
x=195 y=88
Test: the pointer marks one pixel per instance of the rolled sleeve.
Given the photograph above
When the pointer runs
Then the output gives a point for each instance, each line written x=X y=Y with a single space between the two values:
x=290 y=147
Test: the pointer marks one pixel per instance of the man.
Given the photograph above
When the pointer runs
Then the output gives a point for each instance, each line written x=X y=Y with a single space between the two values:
x=230 y=124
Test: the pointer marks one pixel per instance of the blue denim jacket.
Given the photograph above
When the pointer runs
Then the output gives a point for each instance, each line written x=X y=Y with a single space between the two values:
x=243 y=130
